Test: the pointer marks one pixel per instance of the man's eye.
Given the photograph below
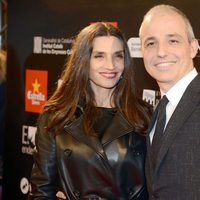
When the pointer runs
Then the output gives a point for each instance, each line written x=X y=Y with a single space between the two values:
x=150 y=44
x=173 y=41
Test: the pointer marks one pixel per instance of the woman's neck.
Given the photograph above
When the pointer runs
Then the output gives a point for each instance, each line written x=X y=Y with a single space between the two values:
x=104 y=99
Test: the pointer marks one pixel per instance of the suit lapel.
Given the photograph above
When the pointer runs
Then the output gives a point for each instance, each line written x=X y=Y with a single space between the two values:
x=148 y=163
x=184 y=109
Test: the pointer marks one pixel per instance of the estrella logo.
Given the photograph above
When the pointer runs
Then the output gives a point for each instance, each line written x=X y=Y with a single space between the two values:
x=36 y=90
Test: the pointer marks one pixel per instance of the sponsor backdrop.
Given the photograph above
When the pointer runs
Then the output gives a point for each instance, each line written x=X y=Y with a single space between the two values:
x=40 y=34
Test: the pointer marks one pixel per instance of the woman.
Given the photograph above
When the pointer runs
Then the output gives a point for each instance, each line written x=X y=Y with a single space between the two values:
x=90 y=142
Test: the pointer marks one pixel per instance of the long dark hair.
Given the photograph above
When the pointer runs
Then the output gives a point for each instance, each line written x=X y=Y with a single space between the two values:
x=75 y=87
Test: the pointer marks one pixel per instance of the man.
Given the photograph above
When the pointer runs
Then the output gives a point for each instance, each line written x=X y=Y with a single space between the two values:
x=168 y=47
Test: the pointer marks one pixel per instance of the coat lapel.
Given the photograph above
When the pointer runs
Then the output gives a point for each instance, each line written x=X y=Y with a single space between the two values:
x=117 y=128
x=77 y=131
x=185 y=108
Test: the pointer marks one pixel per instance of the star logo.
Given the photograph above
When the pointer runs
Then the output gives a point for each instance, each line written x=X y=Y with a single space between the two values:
x=36 y=90
x=36 y=86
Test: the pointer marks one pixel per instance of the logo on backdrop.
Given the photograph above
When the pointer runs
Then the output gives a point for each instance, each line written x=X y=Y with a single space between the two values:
x=36 y=90
x=28 y=139
x=53 y=46
x=151 y=96
x=135 y=47
x=115 y=24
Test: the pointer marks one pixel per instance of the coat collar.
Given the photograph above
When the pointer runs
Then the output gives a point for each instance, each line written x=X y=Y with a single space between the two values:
x=119 y=127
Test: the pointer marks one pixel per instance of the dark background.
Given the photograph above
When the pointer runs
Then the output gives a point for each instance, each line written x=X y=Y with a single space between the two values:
x=59 y=19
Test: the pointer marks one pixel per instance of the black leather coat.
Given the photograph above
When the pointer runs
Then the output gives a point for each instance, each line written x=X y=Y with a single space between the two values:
x=86 y=168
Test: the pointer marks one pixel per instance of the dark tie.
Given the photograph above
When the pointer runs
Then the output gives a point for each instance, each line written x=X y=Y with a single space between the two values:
x=161 y=119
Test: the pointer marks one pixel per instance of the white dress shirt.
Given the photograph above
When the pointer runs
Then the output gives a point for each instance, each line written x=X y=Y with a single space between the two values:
x=174 y=95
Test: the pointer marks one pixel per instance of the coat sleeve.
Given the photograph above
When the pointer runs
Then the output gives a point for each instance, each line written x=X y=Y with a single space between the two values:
x=44 y=174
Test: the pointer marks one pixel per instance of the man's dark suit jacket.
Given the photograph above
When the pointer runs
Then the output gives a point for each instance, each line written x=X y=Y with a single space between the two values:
x=177 y=171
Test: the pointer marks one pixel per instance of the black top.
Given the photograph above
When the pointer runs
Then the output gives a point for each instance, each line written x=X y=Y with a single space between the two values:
x=104 y=119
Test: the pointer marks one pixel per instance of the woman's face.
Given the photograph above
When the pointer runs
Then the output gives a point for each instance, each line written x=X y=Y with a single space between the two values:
x=106 y=63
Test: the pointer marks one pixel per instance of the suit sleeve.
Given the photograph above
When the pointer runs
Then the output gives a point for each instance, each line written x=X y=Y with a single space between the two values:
x=44 y=173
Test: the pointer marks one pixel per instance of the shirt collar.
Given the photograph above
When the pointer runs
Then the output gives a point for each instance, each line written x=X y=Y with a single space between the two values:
x=176 y=92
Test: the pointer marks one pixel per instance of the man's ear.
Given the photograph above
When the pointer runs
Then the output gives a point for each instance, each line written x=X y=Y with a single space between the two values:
x=194 y=47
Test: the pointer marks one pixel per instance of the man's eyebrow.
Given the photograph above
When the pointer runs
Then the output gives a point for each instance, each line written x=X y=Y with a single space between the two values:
x=168 y=35
x=149 y=38
x=174 y=35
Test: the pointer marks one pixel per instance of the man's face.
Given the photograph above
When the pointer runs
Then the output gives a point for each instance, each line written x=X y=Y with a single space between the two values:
x=166 y=49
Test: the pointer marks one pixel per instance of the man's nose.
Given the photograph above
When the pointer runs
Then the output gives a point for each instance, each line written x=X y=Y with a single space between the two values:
x=161 y=50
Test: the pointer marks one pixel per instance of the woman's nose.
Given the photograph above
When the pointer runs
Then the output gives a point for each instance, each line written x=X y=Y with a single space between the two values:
x=110 y=64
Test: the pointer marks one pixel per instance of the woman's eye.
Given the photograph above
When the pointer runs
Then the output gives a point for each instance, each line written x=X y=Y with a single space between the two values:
x=120 y=56
x=98 y=56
